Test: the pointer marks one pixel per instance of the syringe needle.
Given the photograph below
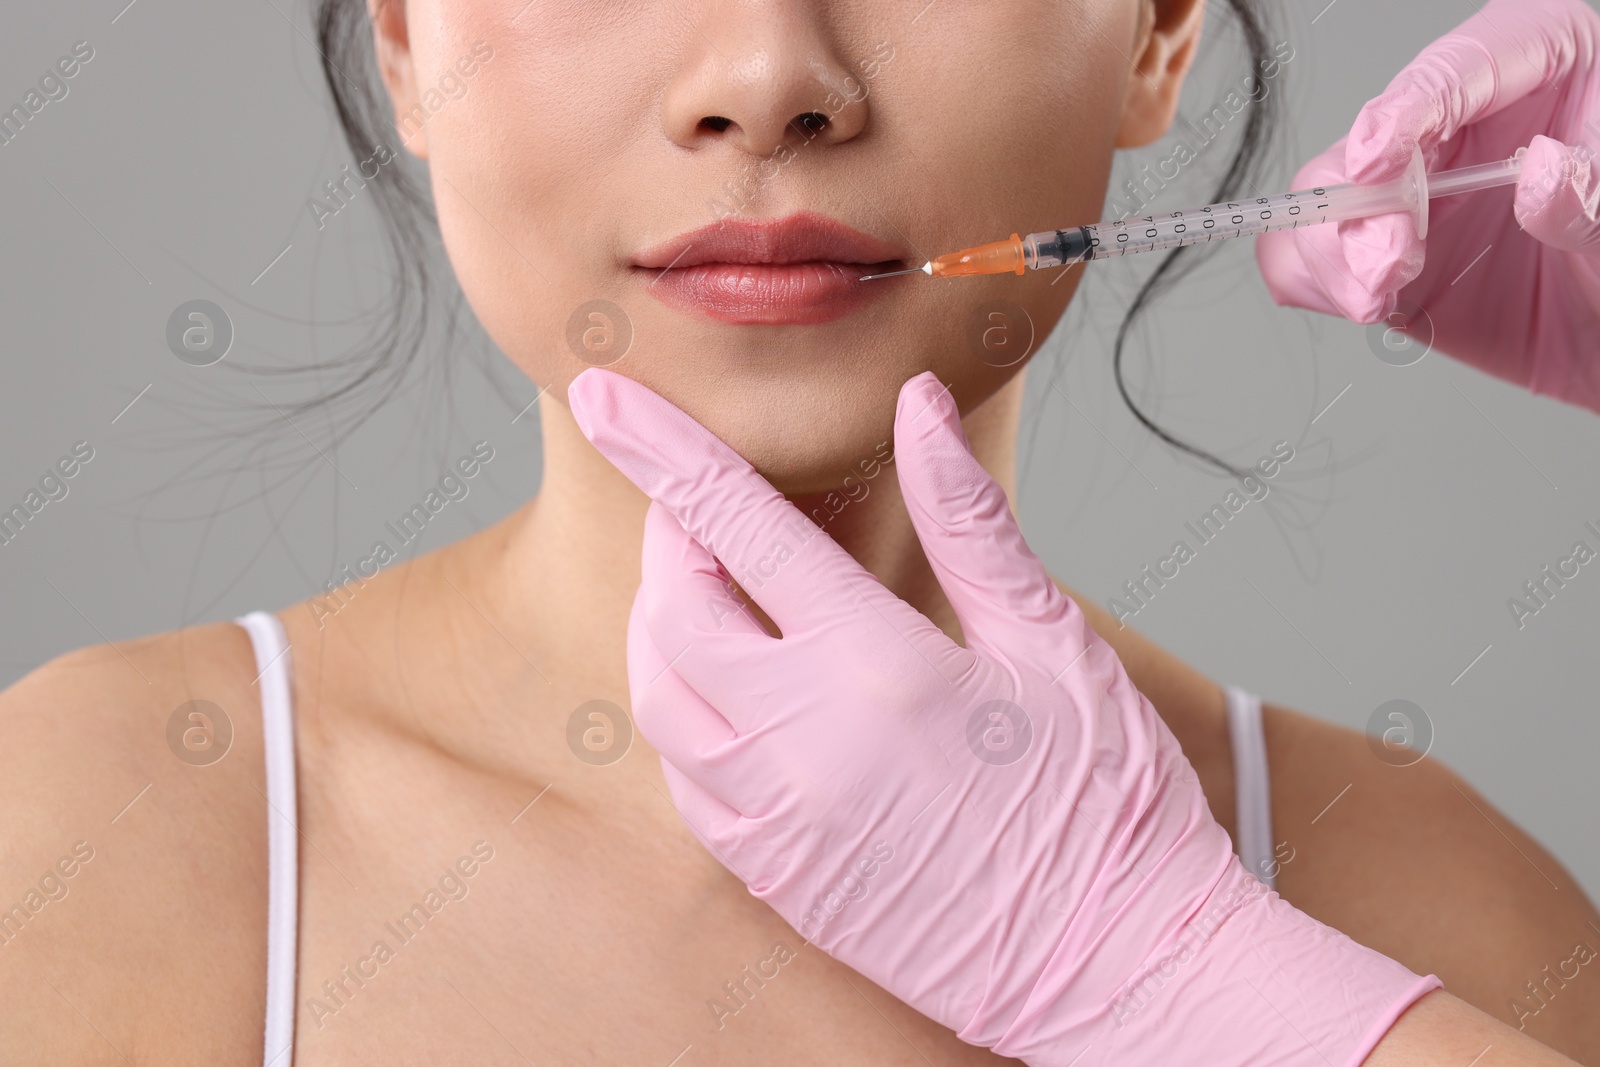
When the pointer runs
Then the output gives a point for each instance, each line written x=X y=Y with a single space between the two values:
x=924 y=269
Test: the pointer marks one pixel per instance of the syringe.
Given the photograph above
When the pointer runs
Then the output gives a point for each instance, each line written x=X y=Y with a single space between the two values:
x=1234 y=218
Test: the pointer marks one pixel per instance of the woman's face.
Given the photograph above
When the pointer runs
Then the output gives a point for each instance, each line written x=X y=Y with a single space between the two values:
x=569 y=139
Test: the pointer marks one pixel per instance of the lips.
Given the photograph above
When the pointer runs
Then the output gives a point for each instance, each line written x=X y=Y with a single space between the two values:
x=798 y=270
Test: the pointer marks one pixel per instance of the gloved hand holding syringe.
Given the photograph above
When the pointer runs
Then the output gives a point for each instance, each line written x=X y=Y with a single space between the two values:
x=1408 y=193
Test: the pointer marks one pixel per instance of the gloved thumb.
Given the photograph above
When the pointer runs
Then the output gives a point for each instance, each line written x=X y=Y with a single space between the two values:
x=1558 y=197
x=993 y=580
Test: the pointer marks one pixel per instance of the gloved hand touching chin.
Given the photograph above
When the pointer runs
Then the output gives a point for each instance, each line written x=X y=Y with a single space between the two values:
x=1510 y=281
x=1005 y=836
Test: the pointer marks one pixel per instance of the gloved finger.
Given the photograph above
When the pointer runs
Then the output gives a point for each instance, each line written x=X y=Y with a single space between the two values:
x=1278 y=254
x=725 y=656
x=1354 y=269
x=711 y=821
x=1364 y=263
x=679 y=580
x=1558 y=198
x=798 y=574
x=999 y=589
x=1342 y=268
x=692 y=621
x=1289 y=281
x=1495 y=58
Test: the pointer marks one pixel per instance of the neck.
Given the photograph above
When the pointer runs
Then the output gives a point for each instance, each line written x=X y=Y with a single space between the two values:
x=565 y=568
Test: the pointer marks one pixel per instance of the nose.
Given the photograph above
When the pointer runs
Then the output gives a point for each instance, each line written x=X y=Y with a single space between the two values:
x=760 y=74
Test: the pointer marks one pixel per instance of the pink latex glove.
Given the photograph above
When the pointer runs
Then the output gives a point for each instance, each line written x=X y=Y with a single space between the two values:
x=1048 y=883
x=1520 y=72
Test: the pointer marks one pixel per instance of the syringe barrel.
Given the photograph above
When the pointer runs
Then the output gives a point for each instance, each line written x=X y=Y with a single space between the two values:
x=1231 y=218
x=1352 y=201
x=1408 y=193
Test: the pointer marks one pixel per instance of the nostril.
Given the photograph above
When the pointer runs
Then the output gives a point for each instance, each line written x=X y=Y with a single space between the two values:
x=715 y=123
x=812 y=121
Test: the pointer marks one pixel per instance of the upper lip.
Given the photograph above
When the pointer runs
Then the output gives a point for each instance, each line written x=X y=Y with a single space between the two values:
x=804 y=237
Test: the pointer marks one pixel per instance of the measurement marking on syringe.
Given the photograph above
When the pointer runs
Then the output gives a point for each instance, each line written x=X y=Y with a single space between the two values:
x=1407 y=194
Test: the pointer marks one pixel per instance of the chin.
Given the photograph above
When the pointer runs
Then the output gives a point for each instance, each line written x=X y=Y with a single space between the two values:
x=806 y=430
x=811 y=426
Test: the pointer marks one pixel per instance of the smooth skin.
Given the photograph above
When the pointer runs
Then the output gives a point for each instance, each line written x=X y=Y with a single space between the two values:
x=433 y=705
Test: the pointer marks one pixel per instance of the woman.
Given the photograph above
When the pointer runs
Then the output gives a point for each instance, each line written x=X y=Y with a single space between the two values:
x=480 y=877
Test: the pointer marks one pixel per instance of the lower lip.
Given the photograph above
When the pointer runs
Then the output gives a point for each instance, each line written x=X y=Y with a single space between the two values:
x=768 y=294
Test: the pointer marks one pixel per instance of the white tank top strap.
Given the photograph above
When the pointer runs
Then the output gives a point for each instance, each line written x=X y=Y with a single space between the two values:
x=1252 y=786
x=271 y=646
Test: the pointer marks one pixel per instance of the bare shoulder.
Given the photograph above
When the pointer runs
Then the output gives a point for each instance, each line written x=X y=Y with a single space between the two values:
x=1403 y=856
x=1410 y=860
x=133 y=869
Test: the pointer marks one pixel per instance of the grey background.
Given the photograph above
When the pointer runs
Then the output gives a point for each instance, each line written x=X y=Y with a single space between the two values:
x=179 y=165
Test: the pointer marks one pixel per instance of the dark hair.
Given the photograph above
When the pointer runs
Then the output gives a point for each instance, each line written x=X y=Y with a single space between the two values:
x=1241 y=170
x=344 y=37
x=1259 y=127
